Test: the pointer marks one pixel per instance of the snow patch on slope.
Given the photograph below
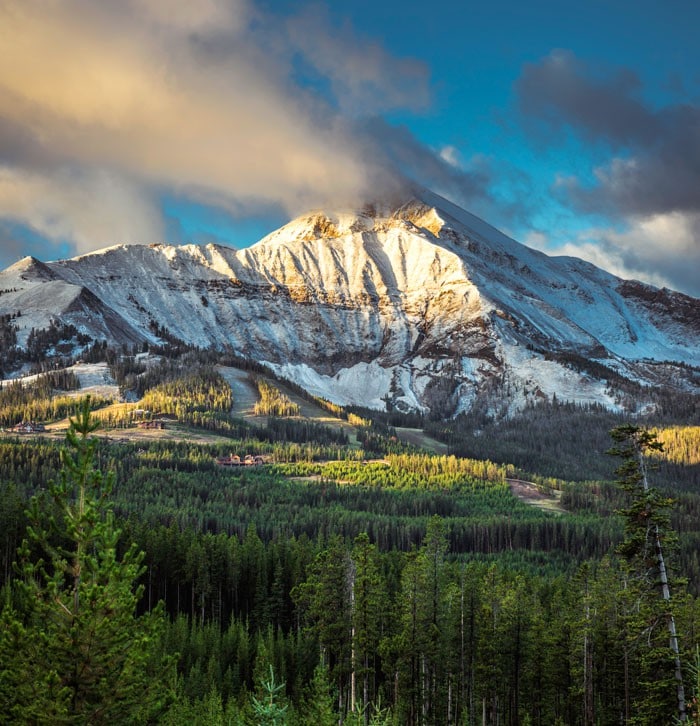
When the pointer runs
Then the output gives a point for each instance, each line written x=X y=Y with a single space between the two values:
x=95 y=379
x=364 y=384
x=532 y=378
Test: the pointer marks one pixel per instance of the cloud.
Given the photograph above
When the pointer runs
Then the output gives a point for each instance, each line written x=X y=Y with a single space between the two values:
x=661 y=249
x=202 y=16
x=561 y=90
x=364 y=78
x=150 y=101
x=493 y=189
x=656 y=169
x=399 y=149
x=648 y=187
x=199 y=99
x=12 y=248
x=91 y=209
x=451 y=155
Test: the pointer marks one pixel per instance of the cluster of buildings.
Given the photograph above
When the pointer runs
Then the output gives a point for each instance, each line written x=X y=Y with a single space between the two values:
x=154 y=424
x=28 y=427
x=235 y=460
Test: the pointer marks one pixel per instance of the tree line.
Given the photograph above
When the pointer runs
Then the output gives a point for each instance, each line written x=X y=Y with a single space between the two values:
x=241 y=630
x=415 y=590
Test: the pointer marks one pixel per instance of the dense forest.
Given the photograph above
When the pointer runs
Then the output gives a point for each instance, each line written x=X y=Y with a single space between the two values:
x=355 y=583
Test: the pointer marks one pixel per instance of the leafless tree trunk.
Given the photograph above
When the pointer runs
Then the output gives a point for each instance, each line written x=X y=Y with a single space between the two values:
x=666 y=594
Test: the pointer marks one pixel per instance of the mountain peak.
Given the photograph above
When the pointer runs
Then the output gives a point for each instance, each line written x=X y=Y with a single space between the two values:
x=413 y=301
x=422 y=215
x=30 y=268
x=371 y=217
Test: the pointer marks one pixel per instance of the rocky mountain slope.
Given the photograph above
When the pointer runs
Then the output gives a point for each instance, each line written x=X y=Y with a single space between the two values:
x=419 y=305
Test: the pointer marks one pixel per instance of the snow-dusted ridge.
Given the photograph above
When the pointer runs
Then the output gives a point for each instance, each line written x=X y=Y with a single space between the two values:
x=419 y=303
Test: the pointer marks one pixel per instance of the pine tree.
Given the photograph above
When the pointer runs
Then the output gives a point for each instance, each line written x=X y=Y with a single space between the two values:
x=319 y=703
x=422 y=634
x=647 y=527
x=368 y=602
x=694 y=704
x=269 y=709
x=326 y=598
x=72 y=647
x=432 y=609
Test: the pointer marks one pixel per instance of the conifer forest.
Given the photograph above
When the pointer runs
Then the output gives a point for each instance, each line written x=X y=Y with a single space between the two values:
x=280 y=567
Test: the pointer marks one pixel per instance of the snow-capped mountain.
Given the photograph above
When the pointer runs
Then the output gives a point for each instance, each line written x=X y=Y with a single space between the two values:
x=420 y=305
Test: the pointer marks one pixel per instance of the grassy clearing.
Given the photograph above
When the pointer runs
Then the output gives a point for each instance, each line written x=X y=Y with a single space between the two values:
x=417 y=437
x=529 y=493
x=245 y=396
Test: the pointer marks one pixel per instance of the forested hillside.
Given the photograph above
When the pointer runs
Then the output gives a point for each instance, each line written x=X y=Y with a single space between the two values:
x=367 y=583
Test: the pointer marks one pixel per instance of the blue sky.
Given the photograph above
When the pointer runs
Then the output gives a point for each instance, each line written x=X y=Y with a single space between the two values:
x=573 y=127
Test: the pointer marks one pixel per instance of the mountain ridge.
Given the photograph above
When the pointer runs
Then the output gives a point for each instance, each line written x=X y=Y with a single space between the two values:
x=419 y=306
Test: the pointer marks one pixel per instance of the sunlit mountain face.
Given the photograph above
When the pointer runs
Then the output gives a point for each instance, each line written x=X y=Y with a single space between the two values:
x=413 y=305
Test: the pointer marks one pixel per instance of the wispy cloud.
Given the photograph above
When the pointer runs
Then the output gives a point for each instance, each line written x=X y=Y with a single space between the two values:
x=365 y=79
x=660 y=249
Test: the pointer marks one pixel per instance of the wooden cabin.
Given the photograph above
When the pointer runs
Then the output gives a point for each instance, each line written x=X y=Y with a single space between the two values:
x=28 y=427
x=235 y=460
x=155 y=424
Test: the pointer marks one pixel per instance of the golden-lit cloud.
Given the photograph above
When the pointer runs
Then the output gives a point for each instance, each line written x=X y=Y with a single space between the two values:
x=192 y=98
x=92 y=210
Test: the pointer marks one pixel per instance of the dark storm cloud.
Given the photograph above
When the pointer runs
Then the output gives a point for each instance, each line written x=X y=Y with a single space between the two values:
x=561 y=90
x=657 y=169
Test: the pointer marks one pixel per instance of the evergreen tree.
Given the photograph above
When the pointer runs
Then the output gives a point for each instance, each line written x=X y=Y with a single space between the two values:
x=421 y=640
x=431 y=612
x=325 y=596
x=72 y=647
x=647 y=526
x=694 y=704
x=319 y=703
x=269 y=709
x=368 y=603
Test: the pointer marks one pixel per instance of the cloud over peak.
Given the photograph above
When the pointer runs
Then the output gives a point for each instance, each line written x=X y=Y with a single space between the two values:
x=199 y=99
x=115 y=118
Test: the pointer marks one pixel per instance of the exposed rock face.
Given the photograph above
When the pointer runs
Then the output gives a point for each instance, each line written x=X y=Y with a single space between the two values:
x=421 y=305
